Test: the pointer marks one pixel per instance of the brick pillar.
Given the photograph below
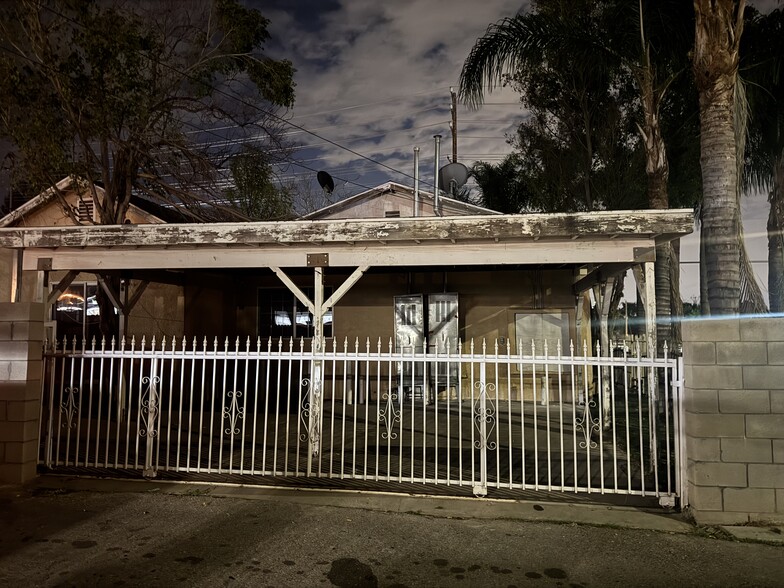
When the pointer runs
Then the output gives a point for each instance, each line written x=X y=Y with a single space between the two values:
x=734 y=424
x=21 y=361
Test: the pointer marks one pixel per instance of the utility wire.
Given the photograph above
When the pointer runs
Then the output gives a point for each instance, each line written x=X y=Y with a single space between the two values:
x=252 y=105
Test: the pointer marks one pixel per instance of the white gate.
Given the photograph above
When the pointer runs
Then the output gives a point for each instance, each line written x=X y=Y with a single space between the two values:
x=467 y=416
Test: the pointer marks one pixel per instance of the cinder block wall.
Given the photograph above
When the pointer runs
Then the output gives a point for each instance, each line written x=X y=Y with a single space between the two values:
x=734 y=424
x=21 y=342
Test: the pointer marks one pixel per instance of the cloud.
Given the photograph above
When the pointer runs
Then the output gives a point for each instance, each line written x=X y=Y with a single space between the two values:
x=375 y=77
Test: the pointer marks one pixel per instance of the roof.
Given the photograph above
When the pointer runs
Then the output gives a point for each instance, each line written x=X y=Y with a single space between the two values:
x=609 y=237
x=449 y=206
x=18 y=215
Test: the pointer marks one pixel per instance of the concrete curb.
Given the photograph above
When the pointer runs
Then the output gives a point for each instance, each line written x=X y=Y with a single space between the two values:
x=433 y=506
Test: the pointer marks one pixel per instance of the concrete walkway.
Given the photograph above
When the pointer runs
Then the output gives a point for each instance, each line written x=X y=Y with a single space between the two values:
x=88 y=532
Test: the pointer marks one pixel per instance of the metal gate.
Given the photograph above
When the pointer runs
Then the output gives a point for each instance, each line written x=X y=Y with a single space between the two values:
x=493 y=417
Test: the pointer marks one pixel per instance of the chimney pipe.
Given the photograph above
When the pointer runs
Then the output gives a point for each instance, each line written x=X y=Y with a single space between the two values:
x=436 y=195
x=416 y=181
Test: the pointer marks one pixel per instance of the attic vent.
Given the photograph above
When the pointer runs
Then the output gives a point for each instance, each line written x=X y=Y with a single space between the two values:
x=392 y=214
x=85 y=211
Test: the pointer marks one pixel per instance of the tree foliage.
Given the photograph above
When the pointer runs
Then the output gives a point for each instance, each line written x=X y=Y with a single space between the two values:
x=254 y=192
x=144 y=97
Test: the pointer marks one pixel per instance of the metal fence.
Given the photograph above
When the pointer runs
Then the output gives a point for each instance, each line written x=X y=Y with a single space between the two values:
x=476 y=415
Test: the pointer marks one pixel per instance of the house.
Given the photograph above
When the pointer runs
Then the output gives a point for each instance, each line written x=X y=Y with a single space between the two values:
x=365 y=269
x=368 y=343
x=158 y=308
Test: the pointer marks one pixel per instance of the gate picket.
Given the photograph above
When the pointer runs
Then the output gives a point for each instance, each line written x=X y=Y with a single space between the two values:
x=481 y=421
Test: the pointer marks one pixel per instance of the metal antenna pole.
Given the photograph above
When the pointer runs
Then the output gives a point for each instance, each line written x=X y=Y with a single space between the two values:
x=453 y=124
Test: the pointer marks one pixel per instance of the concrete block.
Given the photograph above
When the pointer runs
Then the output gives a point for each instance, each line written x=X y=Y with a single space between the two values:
x=768 y=377
x=746 y=353
x=717 y=425
x=778 y=450
x=20 y=390
x=23 y=410
x=717 y=377
x=762 y=329
x=21 y=452
x=21 y=311
x=744 y=401
x=746 y=450
x=702 y=401
x=717 y=474
x=715 y=329
x=780 y=501
x=18 y=431
x=6 y=331
x=20 y=350
x=699 y=353
x=14 y=473
x=3 y=411
x=749 y=500
x=710 y=517
x=766 y=475
x=699 y=449
x=776 y=353
x=705 y=497
x=764 y=425
x=28 y=332
x=20 y=370
x=777 y=401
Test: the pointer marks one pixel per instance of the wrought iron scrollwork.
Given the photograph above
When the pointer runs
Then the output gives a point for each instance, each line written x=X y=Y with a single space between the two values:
x=150 y=407
x=233 y=412
x=69 y=407
x=310 y=415
x=484 y=416
x=389 y=416
x=587 y=424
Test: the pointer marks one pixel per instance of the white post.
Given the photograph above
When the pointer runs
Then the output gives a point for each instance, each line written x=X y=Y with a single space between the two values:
x=317 y=375
x=416 y=181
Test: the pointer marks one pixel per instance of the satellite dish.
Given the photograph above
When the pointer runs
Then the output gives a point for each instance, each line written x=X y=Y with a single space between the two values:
x=452 y=176
x=326 y=182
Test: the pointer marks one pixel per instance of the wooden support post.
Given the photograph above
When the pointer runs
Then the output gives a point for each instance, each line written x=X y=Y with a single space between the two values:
x=124 y=311
x=650 y=308
x=604 y=328
x=317 y=373
x=16 y=276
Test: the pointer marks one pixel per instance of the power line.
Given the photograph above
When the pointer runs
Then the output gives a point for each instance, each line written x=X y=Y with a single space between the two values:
x=249 y=104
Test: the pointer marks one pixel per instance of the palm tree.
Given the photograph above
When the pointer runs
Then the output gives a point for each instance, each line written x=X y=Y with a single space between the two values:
x=547 y=54
x=763 y=50
x=523 y=43
x=718 y=30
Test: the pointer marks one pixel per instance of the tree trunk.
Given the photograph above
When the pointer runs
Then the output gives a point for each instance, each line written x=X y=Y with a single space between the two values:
x=657 y=170
x=776 y=238
x=719 y=24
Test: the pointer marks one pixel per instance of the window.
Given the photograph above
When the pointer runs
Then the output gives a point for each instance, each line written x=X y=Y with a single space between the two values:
x=85 y=210
x=282 y=315
x=550 y=326
x=76 y=313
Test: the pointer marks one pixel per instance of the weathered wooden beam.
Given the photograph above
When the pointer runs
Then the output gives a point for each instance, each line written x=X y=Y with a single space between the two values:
x=61 y=286
x=137 y=294
x=345 y=287
x=113 y=295
x=294 y=289
x=341 y=255
x=649 y=223
x=599 y=274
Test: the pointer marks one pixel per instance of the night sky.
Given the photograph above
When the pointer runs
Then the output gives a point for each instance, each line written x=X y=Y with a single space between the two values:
x=375 y=77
